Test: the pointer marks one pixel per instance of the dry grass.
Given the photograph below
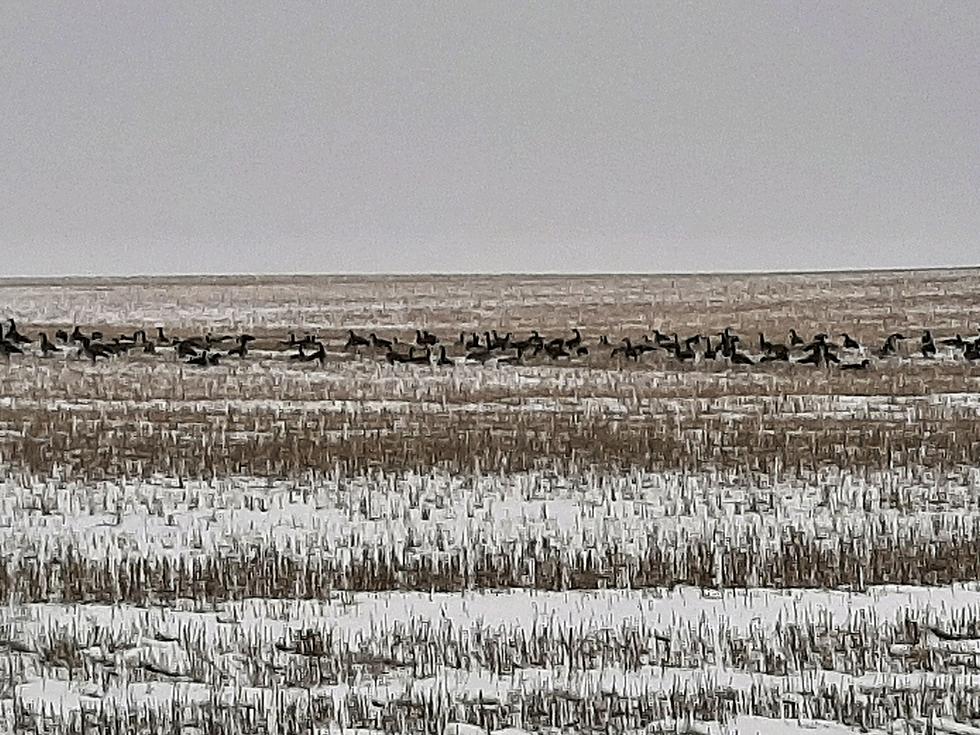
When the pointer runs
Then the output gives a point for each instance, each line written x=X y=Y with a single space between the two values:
x=160 y=490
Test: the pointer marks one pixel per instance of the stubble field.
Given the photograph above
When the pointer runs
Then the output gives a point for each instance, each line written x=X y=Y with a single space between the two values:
x=588 y=544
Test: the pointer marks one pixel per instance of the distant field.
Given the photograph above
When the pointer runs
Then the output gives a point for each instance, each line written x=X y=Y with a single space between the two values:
x=589 y=544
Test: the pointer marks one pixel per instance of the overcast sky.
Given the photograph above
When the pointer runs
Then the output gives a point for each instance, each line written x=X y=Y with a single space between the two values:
x=182 y=137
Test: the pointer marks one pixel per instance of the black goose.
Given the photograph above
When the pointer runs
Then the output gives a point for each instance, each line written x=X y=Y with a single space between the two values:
x=556 y=351
x=794 y=339
x=201 y=360
x=740 y=358
x=319 y=355
x=662 y=339
x=240 y=352
x=926 y=345
x=61 y=336
x=958 y=342
x=393 y=356
x=890 y=347
x=46 y=346
x=425 y=339
x=162 y=338
x=710 y=352
x=443 y=360
x=356 y=340
x=423 y=359
x=379 y=342
x=776 y=353
x=627 y=350
x=521 y=345
x=647 y=345
x=685 y=353
x=575 y=341
x=850 y=343
x=9 y=348
x=863 y=365
x=93 y=350
x=186 y=348
x=814 y=358
x=473 y=343
x=76 y=335
x=15 y=337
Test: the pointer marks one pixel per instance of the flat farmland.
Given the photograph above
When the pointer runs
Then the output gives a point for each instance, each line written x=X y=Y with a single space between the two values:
x=568 y=541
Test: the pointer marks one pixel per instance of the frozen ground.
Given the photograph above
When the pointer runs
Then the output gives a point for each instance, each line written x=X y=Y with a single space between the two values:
x=591 y=547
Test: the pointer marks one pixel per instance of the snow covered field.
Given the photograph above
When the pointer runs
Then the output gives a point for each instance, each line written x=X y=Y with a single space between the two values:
x=265 y=547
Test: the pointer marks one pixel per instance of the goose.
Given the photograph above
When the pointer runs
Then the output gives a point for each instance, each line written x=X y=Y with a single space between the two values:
x=575 y=341
x=850 y=343
x=186 y=348
x=764 y=344
x=709 y=351
x=682 y=354
x=424 y=338
x=647 y=345
x=794 y=339
x=473 y=343
x=662 y=339
x=740 y=358
x=890 y=347
x=201 y=360
x=138 y=337
x=581 y=351
x=380 y=343
x=240 y=352
x=320 y=355
x=863 y=365
x=61 y=336
x=46 y=346
x=93 y=351
x=356 y=340
x=958 y=342
x=392 y=356
x=926 y=345
x=211 y=340
x=557 y=342
x=301 y=355
x=15 y=337
x=814 y=358
x=424 y=359
x=150 y=347
x=9 y=348
x=627 y=350
x=443 y=360
x=556 y=351
x=162 y=338
x=776 y=353
x=533 y=341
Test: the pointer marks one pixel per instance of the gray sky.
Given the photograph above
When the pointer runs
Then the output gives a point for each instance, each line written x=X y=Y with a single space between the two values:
x=214 y=137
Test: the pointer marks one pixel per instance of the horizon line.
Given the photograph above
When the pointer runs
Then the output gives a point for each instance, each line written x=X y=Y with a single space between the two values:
x=485 y=274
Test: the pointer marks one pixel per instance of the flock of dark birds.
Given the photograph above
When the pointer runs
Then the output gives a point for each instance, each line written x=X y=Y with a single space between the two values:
x=427 y=348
